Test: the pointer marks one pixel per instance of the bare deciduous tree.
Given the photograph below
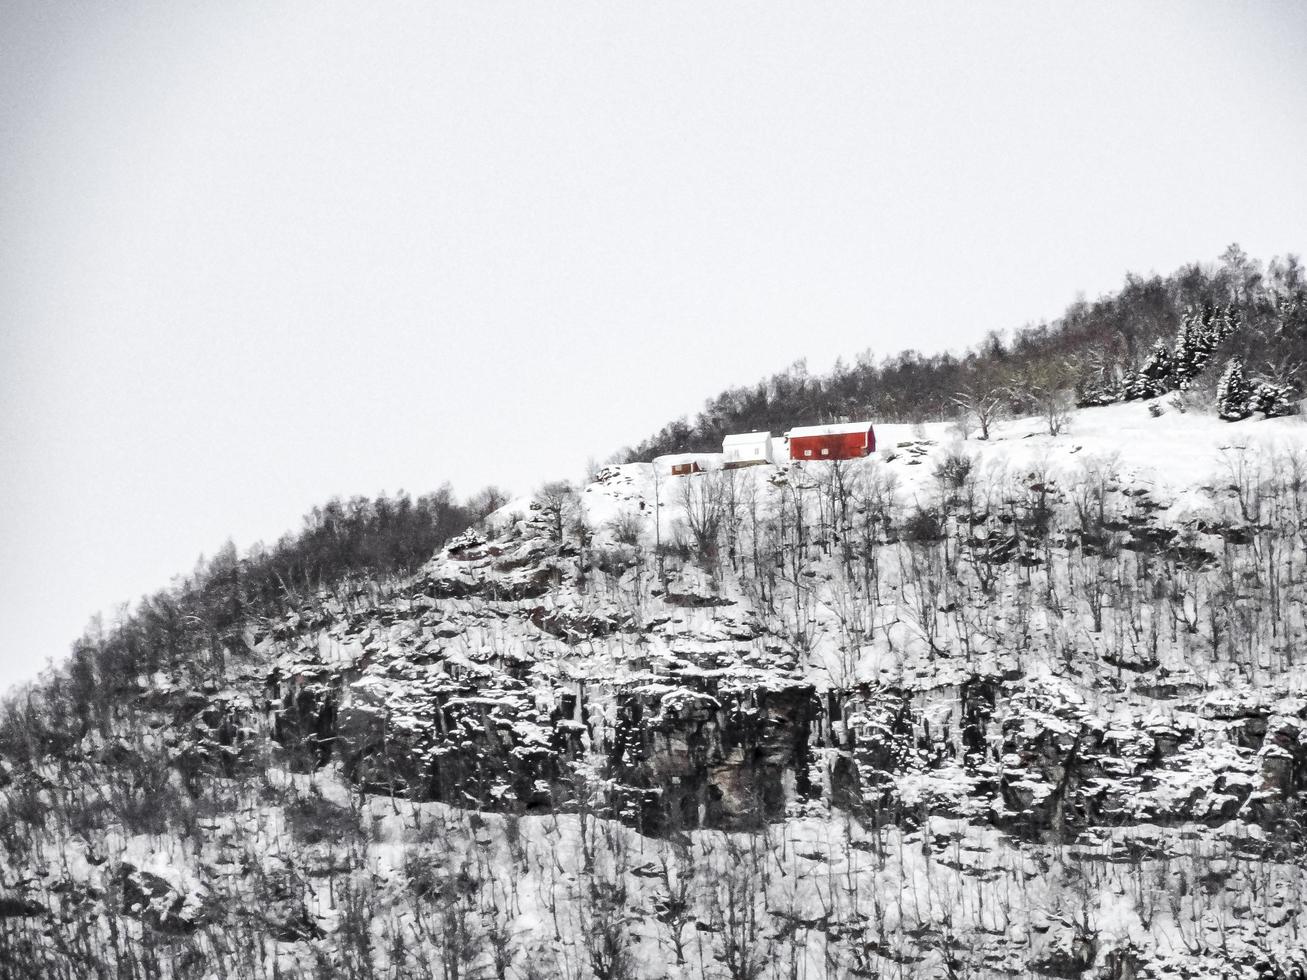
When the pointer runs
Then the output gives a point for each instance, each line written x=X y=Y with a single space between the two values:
x=1047 y=387
x=983 y=399
x=703 y=499
x=556 y=501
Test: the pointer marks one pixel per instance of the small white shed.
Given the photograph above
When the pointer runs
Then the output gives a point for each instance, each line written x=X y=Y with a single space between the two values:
x=746 y=449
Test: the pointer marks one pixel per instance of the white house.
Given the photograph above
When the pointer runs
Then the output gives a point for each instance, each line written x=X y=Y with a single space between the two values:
x=746 y=449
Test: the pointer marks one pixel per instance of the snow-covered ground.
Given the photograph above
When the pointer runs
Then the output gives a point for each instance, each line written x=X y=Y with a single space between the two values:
x=1177 y=456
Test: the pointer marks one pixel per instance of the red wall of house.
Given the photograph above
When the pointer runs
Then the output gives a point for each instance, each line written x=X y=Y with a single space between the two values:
x=848 y=445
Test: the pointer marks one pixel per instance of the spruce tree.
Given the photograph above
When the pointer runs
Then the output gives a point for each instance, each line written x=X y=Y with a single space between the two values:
x=1100 y=388
x=1233 y=393
x=1153 y=378
x=1188 y=343
x=1225 y=324
x=1199 y=335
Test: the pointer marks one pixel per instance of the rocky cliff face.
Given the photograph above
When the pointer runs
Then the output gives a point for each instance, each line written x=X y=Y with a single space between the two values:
x=951 y=711
x=498 y=679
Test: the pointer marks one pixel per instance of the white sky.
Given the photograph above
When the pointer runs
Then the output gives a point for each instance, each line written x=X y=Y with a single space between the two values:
x=256 y=254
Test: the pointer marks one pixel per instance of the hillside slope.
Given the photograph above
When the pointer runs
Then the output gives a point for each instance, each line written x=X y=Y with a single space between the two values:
x=1031 y=706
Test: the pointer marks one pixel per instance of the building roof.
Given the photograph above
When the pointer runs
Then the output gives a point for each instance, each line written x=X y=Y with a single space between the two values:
x=745 y=437
x=837 y=429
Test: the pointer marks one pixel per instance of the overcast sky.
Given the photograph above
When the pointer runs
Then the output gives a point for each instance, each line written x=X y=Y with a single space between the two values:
x=256 y=254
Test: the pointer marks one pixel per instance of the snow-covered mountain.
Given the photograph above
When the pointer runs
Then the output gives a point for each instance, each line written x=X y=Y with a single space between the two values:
x=1029 y=706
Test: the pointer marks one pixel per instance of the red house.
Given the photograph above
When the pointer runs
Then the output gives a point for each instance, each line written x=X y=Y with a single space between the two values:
x=686 y=464
x=847 y=440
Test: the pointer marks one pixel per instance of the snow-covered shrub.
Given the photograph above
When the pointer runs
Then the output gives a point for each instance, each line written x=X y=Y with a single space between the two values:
x=1199 y=398
x=626 y=528
x=1272 y=399
x=953 y=469
x=923 y=524
x=314 y=819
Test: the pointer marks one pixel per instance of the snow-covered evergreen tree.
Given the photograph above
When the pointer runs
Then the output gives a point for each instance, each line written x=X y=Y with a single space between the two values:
x=1099 y=387
x=1200 y=334
x=1232 y=393
x=1187 y=357
x=1225 y=324
x=1153 y=378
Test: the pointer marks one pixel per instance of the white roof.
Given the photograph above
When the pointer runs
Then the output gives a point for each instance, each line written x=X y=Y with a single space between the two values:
x=838 y=429
x=745 y=437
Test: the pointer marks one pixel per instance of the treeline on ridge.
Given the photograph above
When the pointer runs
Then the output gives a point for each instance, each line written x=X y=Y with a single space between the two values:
x=1095 y=347
x=189 y=629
